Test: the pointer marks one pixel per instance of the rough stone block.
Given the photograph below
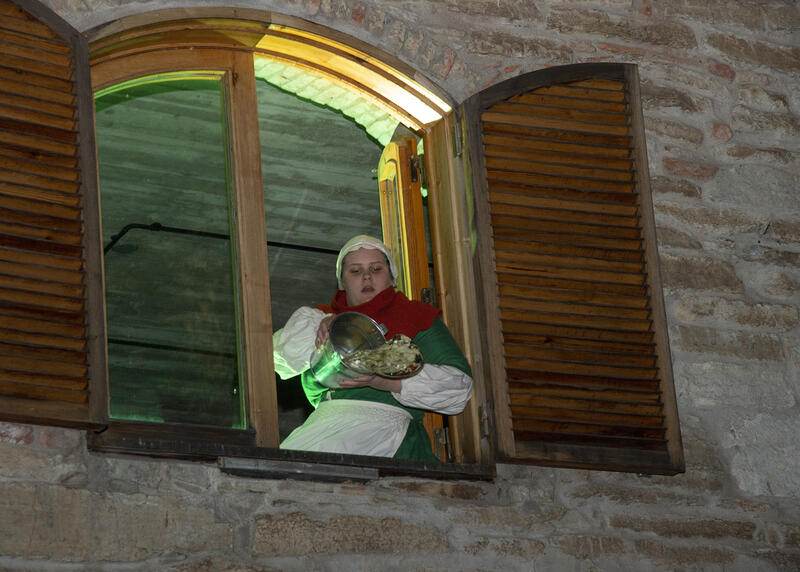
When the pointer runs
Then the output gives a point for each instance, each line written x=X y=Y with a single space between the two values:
x=714 y=309
x=705 y=469
x=671 y=33
x=517 y=548
x=65 y=440
x=590 y=547
x=691 y=169
x=502 y=517
x=512 y=11
x=684 y=554
x=741 y=13
x=39 y=465
x=674 y=130
x=747 y=386
x=219 y=563
x=135 y=527
x=297 y=535
x=722 y=70
x=741 y=345
x=757 y=97
x=503 y=44
x=780 y=126
x=632 y=495
x=441 y=490
x=661 y=184
x=783 y=560
x=725 y=221
x=699 y=273
x=693 y=82
x=786 y=229
x=673 y=238
x=784 y=58
x=774 y=282
x=45 y=523
x=129 y=475
x=769 y=155
x=191 y=477
x=784 y=17
x=686 y=527
x=759 y=249
x=16 y=434
x=763 y=188
x=791 y=535
x=721 y=132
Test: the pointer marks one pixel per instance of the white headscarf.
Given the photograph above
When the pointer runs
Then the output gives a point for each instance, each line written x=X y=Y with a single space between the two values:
x=369 y=243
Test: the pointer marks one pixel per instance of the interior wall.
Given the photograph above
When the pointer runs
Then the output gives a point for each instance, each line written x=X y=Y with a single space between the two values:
x=721 y=103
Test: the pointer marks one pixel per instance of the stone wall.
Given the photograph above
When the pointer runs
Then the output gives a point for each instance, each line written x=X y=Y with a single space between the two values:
x=722 y=110
x=62 y=508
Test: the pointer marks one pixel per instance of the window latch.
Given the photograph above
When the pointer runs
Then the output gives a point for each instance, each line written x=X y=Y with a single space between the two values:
x=457 y=142
x=413 y=167
x=483 y=415
x=442 y=437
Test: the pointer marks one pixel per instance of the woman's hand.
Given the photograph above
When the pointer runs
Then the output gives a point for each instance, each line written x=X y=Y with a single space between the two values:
x=323 y=331
x=373 y=381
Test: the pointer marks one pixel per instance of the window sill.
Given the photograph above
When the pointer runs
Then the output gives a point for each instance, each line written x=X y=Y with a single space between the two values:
x=235 y=454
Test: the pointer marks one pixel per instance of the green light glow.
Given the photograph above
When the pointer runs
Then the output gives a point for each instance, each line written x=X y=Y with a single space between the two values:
x=327 y=365
x=160 y=78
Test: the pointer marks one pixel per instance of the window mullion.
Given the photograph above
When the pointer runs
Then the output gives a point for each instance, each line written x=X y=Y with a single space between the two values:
x=250 y=234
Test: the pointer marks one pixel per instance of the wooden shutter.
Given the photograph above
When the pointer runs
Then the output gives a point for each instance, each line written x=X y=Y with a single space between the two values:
x=576 y=334
x=50 y=282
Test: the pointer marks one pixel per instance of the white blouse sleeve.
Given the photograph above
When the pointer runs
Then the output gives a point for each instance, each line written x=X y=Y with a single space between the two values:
x=441 y=388
x=295 y=342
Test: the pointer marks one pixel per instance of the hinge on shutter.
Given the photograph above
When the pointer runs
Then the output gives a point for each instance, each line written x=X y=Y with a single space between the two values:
x=423 y=172
x=457 y=137
x=483 y=416
x=426 y=295
x=442 y=438
x=413 y=167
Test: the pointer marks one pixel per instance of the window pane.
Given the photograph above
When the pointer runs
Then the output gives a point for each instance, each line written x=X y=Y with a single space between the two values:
x=169 y=269
x=320 y=189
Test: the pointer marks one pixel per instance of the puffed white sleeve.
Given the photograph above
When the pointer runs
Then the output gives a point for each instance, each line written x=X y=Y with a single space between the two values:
x=441 y=388
x=293 y=344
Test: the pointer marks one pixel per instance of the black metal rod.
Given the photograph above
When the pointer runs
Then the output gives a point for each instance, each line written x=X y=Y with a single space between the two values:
x=168 y=347
x=158 y=227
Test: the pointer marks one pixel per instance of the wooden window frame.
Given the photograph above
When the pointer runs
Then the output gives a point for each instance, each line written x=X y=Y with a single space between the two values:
x=143 y=55
x=250 y=232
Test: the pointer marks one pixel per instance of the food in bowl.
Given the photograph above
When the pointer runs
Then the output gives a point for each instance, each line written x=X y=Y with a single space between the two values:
x=397 y=358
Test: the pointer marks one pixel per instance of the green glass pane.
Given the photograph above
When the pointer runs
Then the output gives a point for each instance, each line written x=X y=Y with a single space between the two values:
x=169 y=270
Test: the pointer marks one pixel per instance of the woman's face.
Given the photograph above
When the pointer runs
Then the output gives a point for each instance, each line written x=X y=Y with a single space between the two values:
x=365 y=273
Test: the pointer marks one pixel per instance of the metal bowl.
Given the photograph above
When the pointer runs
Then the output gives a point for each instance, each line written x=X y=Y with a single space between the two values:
x=351 y=331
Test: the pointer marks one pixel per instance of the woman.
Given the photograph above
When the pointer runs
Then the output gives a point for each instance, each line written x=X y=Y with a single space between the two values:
x=373 y=415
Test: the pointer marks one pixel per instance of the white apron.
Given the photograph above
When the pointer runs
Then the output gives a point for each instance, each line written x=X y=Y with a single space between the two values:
x=352 y=427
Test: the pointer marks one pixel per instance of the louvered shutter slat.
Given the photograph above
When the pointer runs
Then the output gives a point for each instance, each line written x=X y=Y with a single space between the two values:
x=44 y=350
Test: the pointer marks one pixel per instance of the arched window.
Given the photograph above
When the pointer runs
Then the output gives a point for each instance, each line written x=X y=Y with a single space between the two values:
x=540 y=242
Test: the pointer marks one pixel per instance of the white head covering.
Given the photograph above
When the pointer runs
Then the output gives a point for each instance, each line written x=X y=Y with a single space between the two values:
x=369 y=243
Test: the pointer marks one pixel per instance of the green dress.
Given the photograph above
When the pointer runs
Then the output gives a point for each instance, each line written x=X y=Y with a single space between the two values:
x=438 y=348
